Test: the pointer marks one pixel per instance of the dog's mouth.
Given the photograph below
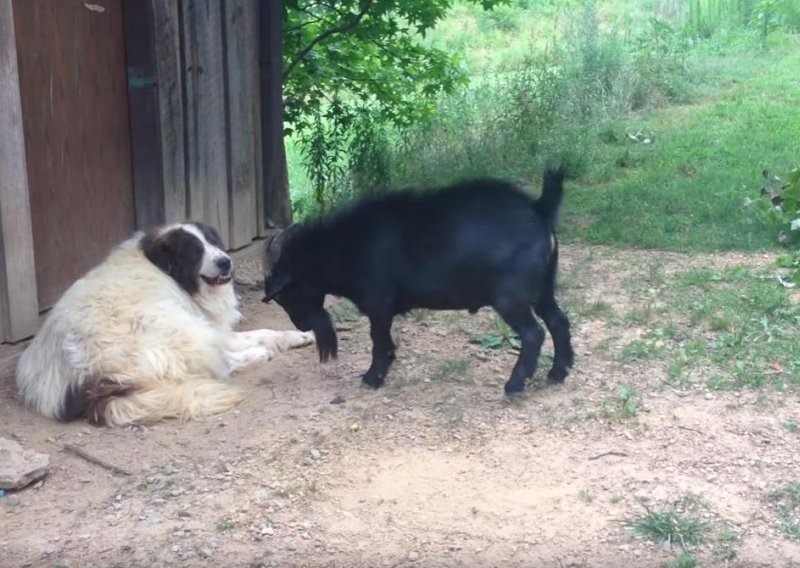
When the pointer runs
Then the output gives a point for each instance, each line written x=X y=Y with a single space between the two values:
x=220 y=280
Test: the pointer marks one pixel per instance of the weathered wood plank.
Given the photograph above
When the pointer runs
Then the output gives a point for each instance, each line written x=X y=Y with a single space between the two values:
x=261 y=219
x=148 y=183
x=18 y=300
x=277 y=206
x=169 y=77
x=241 y=27
x=74 y=92
x=205 y=114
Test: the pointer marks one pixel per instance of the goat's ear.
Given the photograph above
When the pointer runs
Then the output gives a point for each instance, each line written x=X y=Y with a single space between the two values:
x=275 y=244
x=273 y=286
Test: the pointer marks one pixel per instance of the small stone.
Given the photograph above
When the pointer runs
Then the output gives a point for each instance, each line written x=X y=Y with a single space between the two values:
x=20 y=467
x=338 y=399
x=315 y=453
x=184 y=514
x=413 y=556
x=355 y=426
x=204 y=552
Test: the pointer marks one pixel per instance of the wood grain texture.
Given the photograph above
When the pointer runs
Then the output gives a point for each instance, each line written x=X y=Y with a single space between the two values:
x=19 y=305
x=206 y=155
x=145 y=120
x=169 y=77
x=241 y=28
x=277 y=205
x=73 y=83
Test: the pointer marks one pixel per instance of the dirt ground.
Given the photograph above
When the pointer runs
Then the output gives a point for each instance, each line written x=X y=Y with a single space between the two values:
x=435 y=469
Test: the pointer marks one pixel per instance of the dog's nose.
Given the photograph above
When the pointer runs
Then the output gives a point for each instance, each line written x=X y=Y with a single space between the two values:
x=224 y=263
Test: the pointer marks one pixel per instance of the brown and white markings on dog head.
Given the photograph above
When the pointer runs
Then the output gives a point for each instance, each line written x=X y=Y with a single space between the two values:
x=191 y=253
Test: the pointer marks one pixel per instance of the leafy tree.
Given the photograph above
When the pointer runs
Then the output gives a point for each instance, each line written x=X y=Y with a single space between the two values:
x=353 y=61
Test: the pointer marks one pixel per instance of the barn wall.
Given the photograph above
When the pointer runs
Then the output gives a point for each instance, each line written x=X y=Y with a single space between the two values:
x=202 y=74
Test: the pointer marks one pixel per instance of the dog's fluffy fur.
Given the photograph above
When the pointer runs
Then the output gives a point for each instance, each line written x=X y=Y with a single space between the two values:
x=146 y=335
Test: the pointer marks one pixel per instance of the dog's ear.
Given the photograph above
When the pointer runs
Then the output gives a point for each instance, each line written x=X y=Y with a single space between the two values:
x=178 y=254
x=273 y=284
x=210 y=234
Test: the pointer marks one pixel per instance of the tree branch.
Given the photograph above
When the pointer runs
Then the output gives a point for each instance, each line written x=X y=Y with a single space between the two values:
x=346 y=27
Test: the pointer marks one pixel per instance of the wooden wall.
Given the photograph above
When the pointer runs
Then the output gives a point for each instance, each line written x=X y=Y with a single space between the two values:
x=18 y=304
x=195 y=98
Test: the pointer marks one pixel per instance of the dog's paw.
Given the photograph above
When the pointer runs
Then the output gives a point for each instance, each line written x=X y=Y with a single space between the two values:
x=245 y=358
x=300 y=338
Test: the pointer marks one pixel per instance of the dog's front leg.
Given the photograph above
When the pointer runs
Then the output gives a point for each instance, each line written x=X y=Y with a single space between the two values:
x=241 y=358
x=274 y=341
x=248 y=347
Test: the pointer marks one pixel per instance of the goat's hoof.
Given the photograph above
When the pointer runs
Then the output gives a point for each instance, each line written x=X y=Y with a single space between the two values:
x=513 y=389
x=557 y=376
x=372 y=382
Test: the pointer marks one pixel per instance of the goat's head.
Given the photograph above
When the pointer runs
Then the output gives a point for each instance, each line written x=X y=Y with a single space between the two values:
x=299 y=298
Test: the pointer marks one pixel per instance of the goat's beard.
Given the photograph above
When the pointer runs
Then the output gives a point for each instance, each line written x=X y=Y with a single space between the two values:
x=327 y=343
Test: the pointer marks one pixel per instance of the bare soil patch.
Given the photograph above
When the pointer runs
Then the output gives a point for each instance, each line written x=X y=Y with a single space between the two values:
x=435 y=469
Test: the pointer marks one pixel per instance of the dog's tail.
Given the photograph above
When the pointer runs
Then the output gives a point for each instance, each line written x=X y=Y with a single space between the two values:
x=114 y=404
x=549 y=202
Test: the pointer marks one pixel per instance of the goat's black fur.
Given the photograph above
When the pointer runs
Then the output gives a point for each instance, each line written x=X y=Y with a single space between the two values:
x=475 y=244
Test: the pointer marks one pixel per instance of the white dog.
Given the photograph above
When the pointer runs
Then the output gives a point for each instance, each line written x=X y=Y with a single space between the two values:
x=147 y=335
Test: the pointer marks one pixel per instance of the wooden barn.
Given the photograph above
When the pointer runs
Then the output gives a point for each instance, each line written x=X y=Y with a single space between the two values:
x=122 y=114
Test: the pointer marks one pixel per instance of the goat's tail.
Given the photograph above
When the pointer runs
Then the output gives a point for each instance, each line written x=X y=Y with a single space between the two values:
x=552 y=190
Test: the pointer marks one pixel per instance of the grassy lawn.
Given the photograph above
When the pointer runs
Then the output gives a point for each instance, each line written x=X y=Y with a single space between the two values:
x=686 y=190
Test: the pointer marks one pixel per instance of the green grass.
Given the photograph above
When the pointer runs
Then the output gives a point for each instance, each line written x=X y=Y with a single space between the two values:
x=452 y=370
x=750 y=327
x=684 y=559
x=786 y=502
x=685 y=190
x=668 y=527
x=725 y=329
x=500 y=335
x=345 y=312
x=623 y=405
x=716 y=102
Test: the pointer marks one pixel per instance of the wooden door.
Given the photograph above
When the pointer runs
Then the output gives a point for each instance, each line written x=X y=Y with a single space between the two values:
x=73 y=82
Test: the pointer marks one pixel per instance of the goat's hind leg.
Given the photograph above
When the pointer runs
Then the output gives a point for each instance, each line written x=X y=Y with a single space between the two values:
x=380 y=330
x=531 y=334
x=558 y=326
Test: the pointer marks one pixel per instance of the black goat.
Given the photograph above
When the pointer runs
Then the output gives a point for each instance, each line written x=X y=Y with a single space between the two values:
x=475 y=244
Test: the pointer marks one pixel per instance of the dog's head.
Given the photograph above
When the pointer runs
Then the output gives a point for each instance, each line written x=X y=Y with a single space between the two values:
x=296 y=293
x=191 y=253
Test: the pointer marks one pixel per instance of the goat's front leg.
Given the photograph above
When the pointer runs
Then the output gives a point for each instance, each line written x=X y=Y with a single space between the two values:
x=531 y=335
x=380 y=330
